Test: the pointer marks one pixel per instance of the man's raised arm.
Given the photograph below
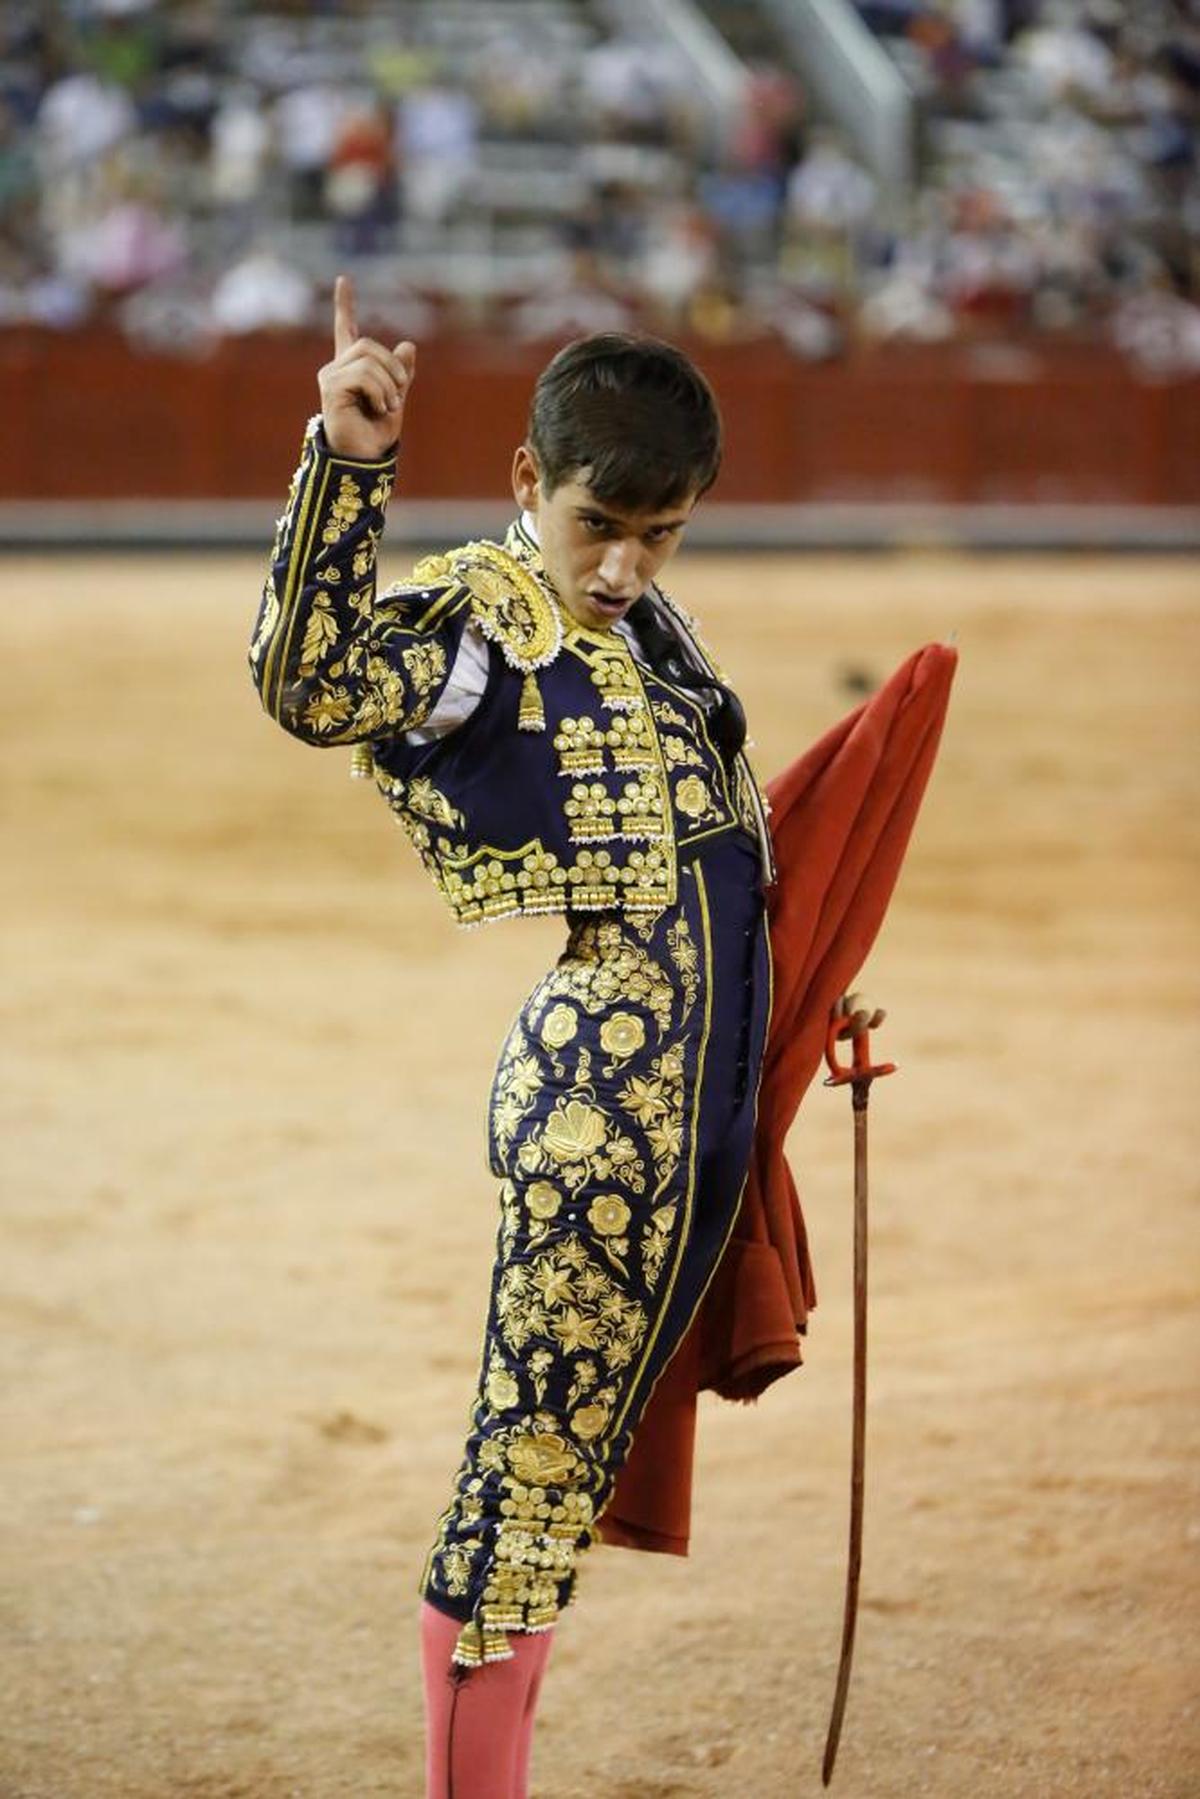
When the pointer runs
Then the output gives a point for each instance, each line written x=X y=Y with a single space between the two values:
x=330 y=662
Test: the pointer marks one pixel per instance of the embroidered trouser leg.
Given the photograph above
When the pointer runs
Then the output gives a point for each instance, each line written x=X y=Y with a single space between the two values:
x=621 y=1120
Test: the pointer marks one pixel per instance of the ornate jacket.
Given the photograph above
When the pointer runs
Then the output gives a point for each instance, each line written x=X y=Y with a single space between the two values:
x=566 y=789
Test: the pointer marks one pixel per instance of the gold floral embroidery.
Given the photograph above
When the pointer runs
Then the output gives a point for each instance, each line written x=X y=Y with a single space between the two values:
x=503 y=1389
x=565 y=1296
x=622 y=1035
x=602 y=965
x=540 y=1458
x=666 y=714
x=344 y=511
x=681 y=754
x=686 y=958
x=692 y=797
x=583 y=1380
x=559 y=1026
x=320 y=632
x=539 y=1364
x=575 y=1131
x=543 y=1199
x=431 y=802
x=269 y=618
x=425 y=666
x=655 y=1099
x=327 y=710
x=517 y=1085
x=363 y=560
x=609 y=1216
x=656 y=1240
x=592 y=1420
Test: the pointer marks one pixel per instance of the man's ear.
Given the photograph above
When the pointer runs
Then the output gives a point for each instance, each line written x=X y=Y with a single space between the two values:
x=526 y=481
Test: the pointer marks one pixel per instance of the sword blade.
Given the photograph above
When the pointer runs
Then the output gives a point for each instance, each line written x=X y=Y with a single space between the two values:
x=858 y=1432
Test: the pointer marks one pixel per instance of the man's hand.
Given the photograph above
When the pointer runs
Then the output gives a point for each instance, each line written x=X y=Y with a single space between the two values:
x=364 y=388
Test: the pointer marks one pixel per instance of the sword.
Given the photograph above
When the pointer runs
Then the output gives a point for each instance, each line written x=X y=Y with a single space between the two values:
x=855 y=1018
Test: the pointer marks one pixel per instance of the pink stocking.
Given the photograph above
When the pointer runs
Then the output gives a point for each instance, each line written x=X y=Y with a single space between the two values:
x=478 y=1730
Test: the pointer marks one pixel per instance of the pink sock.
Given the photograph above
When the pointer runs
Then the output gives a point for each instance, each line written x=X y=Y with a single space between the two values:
x=478 y=1730
x=536 y=1650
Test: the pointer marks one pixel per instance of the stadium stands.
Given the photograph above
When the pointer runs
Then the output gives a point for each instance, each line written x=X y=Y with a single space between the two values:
x=544 y=166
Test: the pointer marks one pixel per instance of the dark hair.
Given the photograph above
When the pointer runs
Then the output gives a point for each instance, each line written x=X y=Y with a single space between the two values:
x=633 y=415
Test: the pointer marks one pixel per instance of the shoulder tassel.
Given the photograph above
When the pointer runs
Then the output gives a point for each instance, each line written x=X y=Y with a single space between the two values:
x=531 y=715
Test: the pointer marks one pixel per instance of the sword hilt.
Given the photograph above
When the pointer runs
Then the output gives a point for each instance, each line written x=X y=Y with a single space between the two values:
x=855 y=1018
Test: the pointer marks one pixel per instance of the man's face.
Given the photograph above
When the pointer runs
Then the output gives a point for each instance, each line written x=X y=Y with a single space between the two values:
x=598 y=558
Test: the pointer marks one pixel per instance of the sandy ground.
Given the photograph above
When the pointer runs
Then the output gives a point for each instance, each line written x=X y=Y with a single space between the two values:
x=247 y=1229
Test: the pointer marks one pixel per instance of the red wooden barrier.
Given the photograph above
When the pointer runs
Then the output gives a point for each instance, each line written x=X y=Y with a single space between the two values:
x=87 y=416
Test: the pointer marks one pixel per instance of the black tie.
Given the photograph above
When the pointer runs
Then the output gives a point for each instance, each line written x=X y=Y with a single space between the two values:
x=666 y=657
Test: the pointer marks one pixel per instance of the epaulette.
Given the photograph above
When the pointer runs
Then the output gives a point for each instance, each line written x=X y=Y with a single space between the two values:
x=512 y=609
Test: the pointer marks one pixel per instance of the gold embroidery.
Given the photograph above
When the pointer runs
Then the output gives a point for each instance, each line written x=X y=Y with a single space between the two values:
x=425 y=666
x=656 y=1240
x=608 y=1216
x=580 y=743
x=666 y=714
x=328 y=709
x=515 y=1089
x=622 y=1035
x=641 y=808
x=614 y=676
x=423 y=797
x=502 y=1387
x=432 y=571
x=510 y=605
x=558 y=1027
x=692 y=797
x=543 y=1199
x=686 y=958
x=544 y=1457
x=575 y=1131
x=681 y=754
x=601 y=965
x=344 y=511
x=563 y=1294
x=655 y=1099
x=320 y=632
x=270 y=614
x=590 y=811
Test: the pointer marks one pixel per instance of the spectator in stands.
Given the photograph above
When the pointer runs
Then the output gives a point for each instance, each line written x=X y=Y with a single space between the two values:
x=262 y=292
x=578 y=301
x=306 y=125
x=438 y=139
x=241 y=144
x=360 y=184
x=680 y=259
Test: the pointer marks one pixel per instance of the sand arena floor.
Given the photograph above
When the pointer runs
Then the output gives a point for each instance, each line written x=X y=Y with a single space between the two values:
x=247 y=1231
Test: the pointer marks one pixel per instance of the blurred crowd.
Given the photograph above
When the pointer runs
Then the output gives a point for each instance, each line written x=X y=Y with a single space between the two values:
x=190 y=170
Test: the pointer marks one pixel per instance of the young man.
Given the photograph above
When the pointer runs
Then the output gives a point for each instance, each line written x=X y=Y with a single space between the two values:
x=548 y=728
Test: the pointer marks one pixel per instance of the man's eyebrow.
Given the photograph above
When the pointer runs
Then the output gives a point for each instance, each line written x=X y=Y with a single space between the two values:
x=612 y=518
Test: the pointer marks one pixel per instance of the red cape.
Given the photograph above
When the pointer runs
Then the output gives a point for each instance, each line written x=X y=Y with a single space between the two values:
x=841 y=817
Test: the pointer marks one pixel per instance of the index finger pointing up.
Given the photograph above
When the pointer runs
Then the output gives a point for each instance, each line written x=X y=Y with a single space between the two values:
x=345 y=318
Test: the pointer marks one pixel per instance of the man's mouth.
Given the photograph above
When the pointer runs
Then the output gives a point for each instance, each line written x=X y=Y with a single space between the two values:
x=605 y=603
